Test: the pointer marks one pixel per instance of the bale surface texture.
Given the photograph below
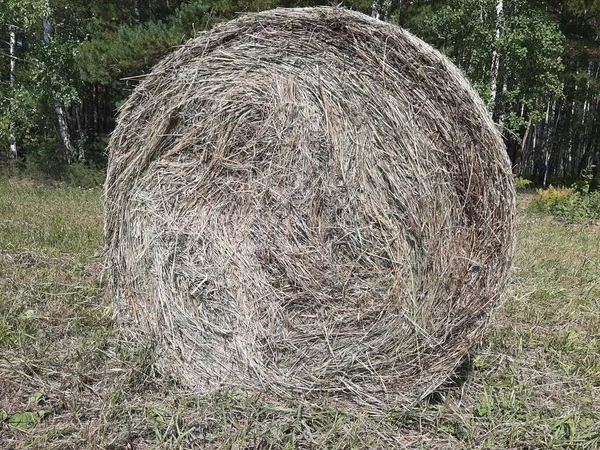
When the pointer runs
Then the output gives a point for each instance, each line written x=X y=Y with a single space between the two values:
x=308 y=202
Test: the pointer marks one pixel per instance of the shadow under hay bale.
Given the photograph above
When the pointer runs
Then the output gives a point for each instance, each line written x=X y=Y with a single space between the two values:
x=308 y=202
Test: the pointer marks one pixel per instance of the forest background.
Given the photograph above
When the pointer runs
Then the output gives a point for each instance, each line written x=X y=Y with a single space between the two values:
x=67 y=65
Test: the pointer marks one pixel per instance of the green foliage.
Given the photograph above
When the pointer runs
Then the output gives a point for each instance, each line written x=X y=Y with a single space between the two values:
x=53 y=77
x=43 y=162
x=128 y=51
x=530 y=54
x=45 y=158
x=20 y=106
x=568 y=204
x=463 y=29
x=528 y=49
x=97 y=51
x=585 y=183
x=131 y=50
x=24 y=420
x=44 y=78
x=64 y=49
x=84 y=176
x=22 y=14
x=95 y=151
x=522 y=183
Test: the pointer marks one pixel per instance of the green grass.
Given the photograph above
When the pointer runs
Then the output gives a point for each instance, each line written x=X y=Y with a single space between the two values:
x=66 y=380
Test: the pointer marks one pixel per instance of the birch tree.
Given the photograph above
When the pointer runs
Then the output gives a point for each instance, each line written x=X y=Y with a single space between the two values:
x=16 y=18
x=495 y=54
x=63 y=126
x=13 y=63
x=381 y=9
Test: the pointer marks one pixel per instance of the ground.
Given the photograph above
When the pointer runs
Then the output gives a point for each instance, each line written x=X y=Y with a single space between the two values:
x=68 y=381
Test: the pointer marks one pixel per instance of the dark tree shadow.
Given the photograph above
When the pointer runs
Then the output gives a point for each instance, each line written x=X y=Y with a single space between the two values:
x=455 y=380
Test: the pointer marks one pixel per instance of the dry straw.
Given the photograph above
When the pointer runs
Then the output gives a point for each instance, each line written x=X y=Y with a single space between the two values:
x=308 y=202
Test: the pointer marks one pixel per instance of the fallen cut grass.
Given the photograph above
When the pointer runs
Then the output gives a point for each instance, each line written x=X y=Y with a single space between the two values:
x=67 y=380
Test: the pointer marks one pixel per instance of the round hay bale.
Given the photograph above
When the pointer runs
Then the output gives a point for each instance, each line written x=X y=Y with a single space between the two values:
x=308 y=201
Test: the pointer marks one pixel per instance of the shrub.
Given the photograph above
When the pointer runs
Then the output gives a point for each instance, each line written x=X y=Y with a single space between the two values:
x=568 y=204
x=44 y=159
x=84 y=176
x=522 y=183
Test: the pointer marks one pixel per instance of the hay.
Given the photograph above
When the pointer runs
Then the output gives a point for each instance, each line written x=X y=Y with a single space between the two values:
x=308 y=202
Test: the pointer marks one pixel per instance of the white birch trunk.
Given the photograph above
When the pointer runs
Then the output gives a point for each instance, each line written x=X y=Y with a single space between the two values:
x=136 y=11
x=526 y=137
x=495 y=56
x=381 y=11
x=81 y=156
x=13 y=64
x=63 y=127
x=501 y=116
x=534 y=145
x=570 y=145
x=375 y=7
x=547 y=155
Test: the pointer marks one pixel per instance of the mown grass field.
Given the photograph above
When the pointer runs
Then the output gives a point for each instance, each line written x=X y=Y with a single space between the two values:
x=67 y=380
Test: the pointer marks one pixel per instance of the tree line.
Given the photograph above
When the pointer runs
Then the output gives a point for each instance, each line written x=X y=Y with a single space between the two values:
x=67 y=65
